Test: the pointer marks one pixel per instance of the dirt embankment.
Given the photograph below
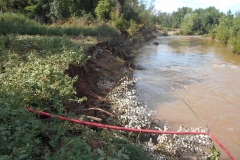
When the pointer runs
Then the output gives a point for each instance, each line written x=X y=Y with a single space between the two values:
x=102 y=73
x=96 y=79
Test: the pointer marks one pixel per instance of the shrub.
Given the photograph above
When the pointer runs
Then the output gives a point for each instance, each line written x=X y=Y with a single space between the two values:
x=234 y=40
x=165 y=33
x=234 y=43
x=103 y=9
x=32 y=75
x=19 y=131
x=223 y=29
x=121 y=23
x=134 y=29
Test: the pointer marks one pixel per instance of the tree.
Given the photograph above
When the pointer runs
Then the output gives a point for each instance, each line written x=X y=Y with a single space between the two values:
x=70 y=8
x=164 y=19
x=234 y=40
x=223 y=29
x=39 y=11
x=189 y=23
x=208 y=18
x=13 y=5
x=103 y=9
x=178 y=16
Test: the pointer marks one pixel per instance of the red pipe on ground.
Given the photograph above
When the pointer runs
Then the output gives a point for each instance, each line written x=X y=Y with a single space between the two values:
x=130 y=129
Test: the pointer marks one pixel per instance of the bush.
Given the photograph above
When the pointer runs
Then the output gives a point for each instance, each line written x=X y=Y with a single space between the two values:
x=32 y=75
x=134 y=29
x=19 y=131
x=223 y=29
x=121 y=23
x=165 y=33
x=234 y=43
x=103 y=9
x=234 y=40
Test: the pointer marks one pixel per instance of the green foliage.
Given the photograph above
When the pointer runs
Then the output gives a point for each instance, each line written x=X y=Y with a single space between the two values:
x=120 y=148
x=209 y=21
x=32 y=75
x=120 y=12
x=212 y=32
x=14 y=5
x=34 y=71
x=60 y=9
x=79 y=7
x=164 y=19
x=223 y=29
x=203 y=23
x=97 y=145
x=234 y=40
x=215 y=154
x=234 y=43
x=189 y=23
x=134 y=28
x=121 y=23
x=103 y=9
x=179 y=15
x=46 y=11
x=19 y=24
x=72 y=149
x=19 y=131
x=165 y=32
x=39 y=11
x=208 y=18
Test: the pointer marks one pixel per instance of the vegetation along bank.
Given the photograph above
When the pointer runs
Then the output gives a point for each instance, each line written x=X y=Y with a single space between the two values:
x=73 y=58
x=209 y=22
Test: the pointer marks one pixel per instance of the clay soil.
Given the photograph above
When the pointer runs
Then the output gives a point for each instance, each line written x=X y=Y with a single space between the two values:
x=95 y=80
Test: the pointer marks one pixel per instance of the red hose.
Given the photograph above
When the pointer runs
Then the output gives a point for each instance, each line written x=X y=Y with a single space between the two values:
x=130 y=129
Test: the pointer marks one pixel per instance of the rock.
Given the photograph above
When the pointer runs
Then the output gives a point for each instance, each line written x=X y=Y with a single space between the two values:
x=156 y=43
x=137 y=67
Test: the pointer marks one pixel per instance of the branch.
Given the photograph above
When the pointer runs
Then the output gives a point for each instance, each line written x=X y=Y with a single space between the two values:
x=214 y=122
x=99 y=109
x=94 y=118
x=183 y=98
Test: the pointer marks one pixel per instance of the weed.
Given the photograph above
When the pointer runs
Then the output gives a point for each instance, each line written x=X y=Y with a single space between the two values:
x=19 y=24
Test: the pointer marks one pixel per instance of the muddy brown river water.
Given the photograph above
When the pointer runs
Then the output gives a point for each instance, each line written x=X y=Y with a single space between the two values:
x=193 y=72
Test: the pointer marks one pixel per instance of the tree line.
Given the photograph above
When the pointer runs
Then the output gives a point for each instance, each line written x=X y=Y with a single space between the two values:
x=126 y=15
x=208 y=22
x=131 y=16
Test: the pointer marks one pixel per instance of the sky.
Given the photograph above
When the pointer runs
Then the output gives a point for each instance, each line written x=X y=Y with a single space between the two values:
x=172 y=5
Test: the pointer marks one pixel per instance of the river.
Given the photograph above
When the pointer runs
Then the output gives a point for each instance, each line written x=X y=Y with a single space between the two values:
x=193 y=82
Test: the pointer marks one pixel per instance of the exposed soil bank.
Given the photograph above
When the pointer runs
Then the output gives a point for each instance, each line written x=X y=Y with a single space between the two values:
x=102 y=73
x=96 y=79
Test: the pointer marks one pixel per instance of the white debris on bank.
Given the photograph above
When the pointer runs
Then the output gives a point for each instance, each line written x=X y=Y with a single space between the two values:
x=125 y=105
x=134 y=114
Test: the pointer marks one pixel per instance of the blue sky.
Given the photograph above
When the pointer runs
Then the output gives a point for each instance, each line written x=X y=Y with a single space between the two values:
x=172 y=5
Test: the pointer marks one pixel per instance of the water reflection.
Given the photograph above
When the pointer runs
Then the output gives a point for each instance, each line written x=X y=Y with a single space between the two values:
x=203 y=72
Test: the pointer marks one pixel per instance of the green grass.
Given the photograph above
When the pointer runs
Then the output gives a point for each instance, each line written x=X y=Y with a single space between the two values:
x=19 y=24
x=33 y=58
x=32 y=75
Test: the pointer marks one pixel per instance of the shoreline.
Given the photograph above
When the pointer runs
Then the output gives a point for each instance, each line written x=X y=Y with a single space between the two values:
x=108 y=84
x=102 y=73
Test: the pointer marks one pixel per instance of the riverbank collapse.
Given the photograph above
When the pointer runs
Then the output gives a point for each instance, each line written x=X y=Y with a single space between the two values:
x=107 y=82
